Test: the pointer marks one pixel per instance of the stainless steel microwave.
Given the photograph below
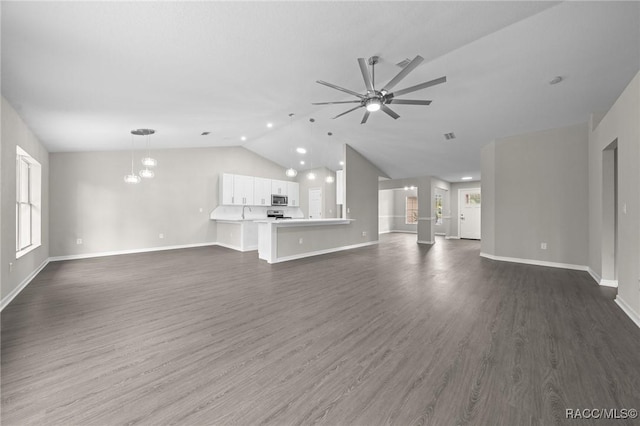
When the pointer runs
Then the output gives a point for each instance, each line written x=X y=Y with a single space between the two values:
x=279 y=200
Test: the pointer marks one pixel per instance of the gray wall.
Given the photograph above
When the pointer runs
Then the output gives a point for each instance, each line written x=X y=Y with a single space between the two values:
x=15 y=132
x=329 y=206
x=91 y=201
x=541 y=190
x=455 y=214
x=621 y=123
x=488 y=200
x=385 y=210
x=392 y=210
x=426 y=186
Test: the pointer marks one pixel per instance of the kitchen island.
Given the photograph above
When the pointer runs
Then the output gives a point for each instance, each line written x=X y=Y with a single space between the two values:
x=282 y=240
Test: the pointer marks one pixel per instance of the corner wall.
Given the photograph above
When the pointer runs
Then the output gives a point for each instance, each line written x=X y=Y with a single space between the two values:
x=15 y=132
x=535 y=190
x=620 y=123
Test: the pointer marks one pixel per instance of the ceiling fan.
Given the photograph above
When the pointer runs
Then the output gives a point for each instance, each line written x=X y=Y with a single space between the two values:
x=375 y=100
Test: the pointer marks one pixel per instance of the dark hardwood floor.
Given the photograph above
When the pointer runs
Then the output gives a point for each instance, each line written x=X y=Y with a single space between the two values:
x=396 y=333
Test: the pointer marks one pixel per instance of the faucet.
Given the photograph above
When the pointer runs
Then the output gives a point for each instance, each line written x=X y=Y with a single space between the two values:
x=243 y=211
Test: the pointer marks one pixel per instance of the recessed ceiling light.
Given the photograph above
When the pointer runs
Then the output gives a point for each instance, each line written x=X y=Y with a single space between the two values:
x=243 y=138
x=302 y=162
x=467 y=178
x=269 y=125
x=301 y=150
x=556 y=79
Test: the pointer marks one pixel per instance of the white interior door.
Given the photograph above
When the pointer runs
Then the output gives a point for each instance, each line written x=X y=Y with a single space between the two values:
x=469 y=205
x=315 y=203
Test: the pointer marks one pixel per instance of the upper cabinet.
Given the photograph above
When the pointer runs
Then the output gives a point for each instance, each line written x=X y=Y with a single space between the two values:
x=279 y=187
x=243 y=190
x=236 y=189
x=262 y=191
x=293 y=191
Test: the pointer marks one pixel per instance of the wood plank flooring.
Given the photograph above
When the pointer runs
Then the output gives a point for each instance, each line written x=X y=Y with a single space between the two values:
x=396 y=333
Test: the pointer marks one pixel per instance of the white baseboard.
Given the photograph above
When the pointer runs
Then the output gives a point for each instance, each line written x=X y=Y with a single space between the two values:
x=628 y=310
x=452 y=237
x=119 y=252
x=609 y=283
x=237 y=248
x=325 y=251
x=384 y=232
x=9 y=297
x=426 y=242
x=593 y=274
x=535 y=262
x=441 y=234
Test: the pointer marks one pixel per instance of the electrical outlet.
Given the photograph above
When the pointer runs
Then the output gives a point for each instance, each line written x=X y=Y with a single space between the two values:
x=300 y=241
x=348 y=210
x=364 y=233
x=201 y=209
x=79 y=241
x=543 y=246
x=161 y=236
x=10 y=266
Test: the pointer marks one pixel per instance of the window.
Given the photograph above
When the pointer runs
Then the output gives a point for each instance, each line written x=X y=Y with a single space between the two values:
x=412 y=210
x=28 y=195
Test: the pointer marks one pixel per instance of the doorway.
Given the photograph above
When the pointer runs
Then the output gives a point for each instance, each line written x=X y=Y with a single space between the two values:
x=315 y=203
x=469 y=202
x=610 y=215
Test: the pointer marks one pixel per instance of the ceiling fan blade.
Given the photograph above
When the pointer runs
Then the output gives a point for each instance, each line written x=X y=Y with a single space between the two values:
x=365 y=74
x=420 y=86
x=336 y=102
x=402 y=74
x=389 y=111
x=408 y=102
x=342 y=89
x=347 y=112
x=366 y=116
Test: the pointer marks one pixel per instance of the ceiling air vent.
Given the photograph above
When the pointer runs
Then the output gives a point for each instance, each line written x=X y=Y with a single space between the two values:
x=403 y=63
x=449 y=136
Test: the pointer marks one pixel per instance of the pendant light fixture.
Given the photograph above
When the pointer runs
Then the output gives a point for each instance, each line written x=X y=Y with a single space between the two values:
x=147 y=161
x=132 y=178
x=291 y=172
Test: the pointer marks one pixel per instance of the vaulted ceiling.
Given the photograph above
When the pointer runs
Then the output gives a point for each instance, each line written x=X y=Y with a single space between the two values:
x=83 y=74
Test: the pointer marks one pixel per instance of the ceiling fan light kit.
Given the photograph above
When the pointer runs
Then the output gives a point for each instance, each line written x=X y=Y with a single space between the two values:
x=375 y=100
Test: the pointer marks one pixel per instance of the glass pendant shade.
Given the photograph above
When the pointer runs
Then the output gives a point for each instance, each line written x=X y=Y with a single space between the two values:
x=146 y=173
x=311 y=176
x=132 y=178
x=329 y=179
x=149 y=162
x=291 y=172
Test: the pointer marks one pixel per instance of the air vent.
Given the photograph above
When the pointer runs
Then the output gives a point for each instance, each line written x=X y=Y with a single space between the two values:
x=204 y=133
x=449 y=136
x=403 y=63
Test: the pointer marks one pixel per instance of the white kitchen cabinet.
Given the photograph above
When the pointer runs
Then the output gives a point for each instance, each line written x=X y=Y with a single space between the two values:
x=261 y=191
x=279 y=187
x=226 y=189
x=243 y=190
x=293 y=192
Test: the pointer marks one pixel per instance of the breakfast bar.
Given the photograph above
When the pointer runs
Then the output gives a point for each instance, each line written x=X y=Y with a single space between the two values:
x=282 y=240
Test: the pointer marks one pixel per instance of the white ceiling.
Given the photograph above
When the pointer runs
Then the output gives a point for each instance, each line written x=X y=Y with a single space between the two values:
x=83 y=74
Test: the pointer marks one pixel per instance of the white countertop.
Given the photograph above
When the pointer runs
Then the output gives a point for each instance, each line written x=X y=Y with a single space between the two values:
x=306 y=222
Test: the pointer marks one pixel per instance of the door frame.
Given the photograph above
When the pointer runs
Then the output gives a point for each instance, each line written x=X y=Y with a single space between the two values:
x=479 y=189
